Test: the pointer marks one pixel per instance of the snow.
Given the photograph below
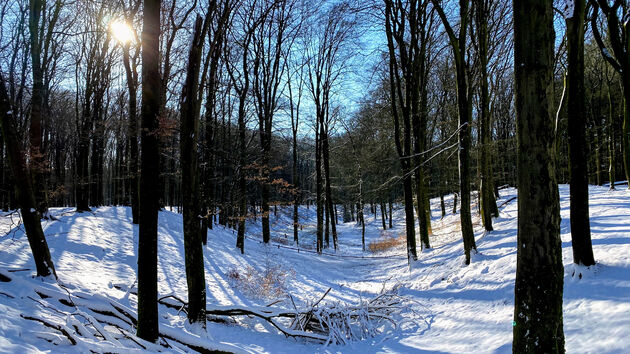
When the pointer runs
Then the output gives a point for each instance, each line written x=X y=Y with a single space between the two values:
x=454 y=308
x=568 y=8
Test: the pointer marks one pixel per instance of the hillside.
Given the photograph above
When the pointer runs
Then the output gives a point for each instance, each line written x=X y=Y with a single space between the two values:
x=444 y=306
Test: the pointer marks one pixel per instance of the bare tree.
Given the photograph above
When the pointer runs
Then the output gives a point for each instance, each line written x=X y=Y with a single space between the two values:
x=272 y=38
x=149 y=168
x=189 y=139
x=325 y=65
x=458 y=42
x=539 y=269
x=576 y=105
x=24 y=188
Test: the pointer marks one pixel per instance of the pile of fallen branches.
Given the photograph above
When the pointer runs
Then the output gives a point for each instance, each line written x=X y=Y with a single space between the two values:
x=99 y=324
x=328 y=323
x=93 y=323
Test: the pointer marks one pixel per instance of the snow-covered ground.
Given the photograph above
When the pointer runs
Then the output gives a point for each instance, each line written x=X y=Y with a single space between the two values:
x=450 y=307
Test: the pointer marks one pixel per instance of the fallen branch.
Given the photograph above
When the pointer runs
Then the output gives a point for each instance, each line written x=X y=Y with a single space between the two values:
x=53 y=326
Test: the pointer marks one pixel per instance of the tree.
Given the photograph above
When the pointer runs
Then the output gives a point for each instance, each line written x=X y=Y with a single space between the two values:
x=189 y=133
x=539 y=270
x=325 y=65
x=404 y=87
x=482 y=12
x=131 y=71
x=618 y=58
x=294 y=113
x=576 y=105
x=272 y=38
x=41 y=29
x=458 y=45
x=24 y=188
x=149 y=168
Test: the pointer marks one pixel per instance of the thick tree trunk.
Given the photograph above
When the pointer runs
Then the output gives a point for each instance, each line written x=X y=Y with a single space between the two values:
x=576 y=105
x=37 y=154
x=149 y=172
x=24 y=188
x=539 y=269
x=189 y=133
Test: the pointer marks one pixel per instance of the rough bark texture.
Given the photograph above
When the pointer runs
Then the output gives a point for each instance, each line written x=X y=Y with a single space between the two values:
x=578 y=159
x=38 y=161
x=189 y=136
x=23 y=188
x=132 y=133
x=487 y=193
x=539 y=269
x=149 y=170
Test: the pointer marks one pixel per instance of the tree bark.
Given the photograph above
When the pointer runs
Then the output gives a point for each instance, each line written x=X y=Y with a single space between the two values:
x=487 y=193
x=149 y=172
x=329 y=202
x=539 y=269
x=38 y=160
x=189 y=136
x=578 y=159
x=24 y=188
x=132 y=132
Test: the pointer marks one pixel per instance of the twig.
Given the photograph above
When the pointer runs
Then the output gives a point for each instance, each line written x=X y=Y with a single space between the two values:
x=53 y=326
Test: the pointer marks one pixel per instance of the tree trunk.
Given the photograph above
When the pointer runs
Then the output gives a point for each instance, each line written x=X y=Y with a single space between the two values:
x=409 y=218
x=149 y=174
x=37 y=156
x=189 y=132
x=383 y=215
x=626 y=125
x=468 y=235
x=24 y=189
x=611 y=141
x=391 y=208
x=539 y=269
x=132 y=133
x=486 y=192
x=454 y=203
x=579 y=214
x=329 y=201
x=318 y=186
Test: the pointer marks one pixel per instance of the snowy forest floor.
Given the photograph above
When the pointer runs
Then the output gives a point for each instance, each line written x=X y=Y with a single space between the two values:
x=448 y=307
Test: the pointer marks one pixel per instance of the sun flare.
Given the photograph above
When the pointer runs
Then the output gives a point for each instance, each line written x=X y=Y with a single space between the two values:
x=121 y=31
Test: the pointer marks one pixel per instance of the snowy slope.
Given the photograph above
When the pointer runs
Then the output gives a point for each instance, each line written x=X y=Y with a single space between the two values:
x=452 y=308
